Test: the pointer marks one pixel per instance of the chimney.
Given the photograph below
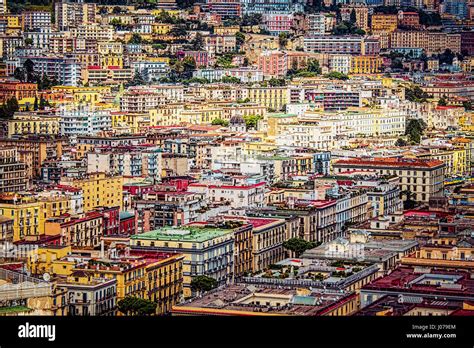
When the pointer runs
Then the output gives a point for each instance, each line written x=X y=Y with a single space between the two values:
x=102 y=249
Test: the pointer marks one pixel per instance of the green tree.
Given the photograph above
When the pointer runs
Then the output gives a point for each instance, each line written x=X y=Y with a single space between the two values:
x=165 y=17
x=408 y=199
x=12 y=105
x=43 y=103
x=29 y=68
x=230 y=79
x=29 y=41
x=401 y=142
x=137 y=80
x=298 y=245
x=8 y=109
x=416 y=94
x=240 y=38
x=19 y=74
x=467 y=104
x=136 y=39
x=136 y=306
x=251 y=19
x=35 y=104
x=251 y=121
x=220 y=122
x=273 y=82
x=197 y=43
x=414 y=130
x=203 y=283
x=442 y=101
x=313 y=66
x=283 y=40
x=353 y=17
x=225 y=61
x=179 y=31
x=336 y=75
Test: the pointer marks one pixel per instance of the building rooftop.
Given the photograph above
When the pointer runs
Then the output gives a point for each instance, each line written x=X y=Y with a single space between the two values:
x=247 y=300
x=391 y=162
x=184 y=234
x=427 y=282
x=391 y=305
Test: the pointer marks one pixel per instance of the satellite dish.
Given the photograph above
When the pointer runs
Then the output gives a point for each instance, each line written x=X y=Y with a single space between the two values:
x=46 y=277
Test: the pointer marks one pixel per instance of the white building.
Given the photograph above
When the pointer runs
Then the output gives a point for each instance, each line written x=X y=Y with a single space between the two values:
x=84 y=120
x=340 y=63
x=150 y=70
x=36 y=20
x=243 y=74
x=238 y=196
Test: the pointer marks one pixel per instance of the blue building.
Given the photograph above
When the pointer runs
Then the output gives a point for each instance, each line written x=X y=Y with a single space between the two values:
x=456 y=8
x=321 y=162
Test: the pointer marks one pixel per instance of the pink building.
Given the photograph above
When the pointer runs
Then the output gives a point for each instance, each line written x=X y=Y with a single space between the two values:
x=200 y=57
x=273 y=63
x=278 y=23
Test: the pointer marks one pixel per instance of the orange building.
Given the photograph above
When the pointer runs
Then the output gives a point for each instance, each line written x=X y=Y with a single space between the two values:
x=382 y=22
x=17 y=89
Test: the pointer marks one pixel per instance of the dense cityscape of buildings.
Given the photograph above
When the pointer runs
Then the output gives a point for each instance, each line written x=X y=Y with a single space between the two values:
x=238 y=157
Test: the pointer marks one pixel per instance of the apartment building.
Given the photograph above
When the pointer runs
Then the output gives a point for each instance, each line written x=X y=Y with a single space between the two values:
x=33 y=20
x=431 y=42
x=70 y=14
x=24 y=123
x=99 y=190
x=273 y=64
x=343 y=44
x=423 y=178
x=382 y=22
x=12 y=171
x=208 y=250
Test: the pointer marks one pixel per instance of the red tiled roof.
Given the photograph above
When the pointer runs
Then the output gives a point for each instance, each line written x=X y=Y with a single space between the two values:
x=390 y=162
x=230 y=187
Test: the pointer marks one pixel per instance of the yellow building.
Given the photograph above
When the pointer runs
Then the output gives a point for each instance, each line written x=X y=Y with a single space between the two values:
x=384 y=22
x=275 y=121
x=98 y=75
x=166 y=114
x=84 y=94
x=271 y=97
x=130 y=123
x=51 y=260
x=27 y=123
x=468 y=146
x=199 y=116
x=157 y=12
x=14 y=23
x=366 y=64
x=443 y=253
x=456 y=160
x=259 y=148
x=154 y=276
x=29 y=214
x=223 y=30
x=99 y=190
x=111 y=60
x=161 y=28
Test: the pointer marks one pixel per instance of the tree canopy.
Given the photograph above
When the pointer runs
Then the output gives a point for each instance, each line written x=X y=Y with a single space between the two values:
x=203 y=283
x=136 y=306
x=336 y=75
x=416 y=94
x=298 y=245
x=414 y=130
